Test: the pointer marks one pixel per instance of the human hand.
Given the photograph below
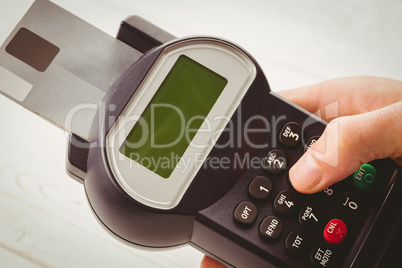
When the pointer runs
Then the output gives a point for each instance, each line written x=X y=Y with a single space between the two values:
x=367 y=126
x=207 y=262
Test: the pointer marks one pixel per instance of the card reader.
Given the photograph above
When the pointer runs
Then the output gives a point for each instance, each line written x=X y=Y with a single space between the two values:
x=180 y=141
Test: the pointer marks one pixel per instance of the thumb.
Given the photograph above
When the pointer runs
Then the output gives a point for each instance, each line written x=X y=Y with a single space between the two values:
x=207 y=262
x=346 y=143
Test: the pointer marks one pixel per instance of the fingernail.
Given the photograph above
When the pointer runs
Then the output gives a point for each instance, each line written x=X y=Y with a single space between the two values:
x=306 y=173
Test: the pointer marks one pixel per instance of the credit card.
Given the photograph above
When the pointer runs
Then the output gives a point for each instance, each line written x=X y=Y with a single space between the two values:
x=60 y=67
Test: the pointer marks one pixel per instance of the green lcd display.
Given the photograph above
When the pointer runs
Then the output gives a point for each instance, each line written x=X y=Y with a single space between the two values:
x=173 y=116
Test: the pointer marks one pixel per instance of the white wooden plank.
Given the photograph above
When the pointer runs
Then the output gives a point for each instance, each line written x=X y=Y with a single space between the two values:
x=9 y=259
x=46 y=220
x=71 y=244
x=317 y=39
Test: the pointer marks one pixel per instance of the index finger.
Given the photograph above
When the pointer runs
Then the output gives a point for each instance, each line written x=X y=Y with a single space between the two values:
x=353 y=95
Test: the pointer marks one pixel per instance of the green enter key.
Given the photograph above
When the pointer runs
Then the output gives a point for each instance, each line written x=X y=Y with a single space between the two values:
x=364 y=177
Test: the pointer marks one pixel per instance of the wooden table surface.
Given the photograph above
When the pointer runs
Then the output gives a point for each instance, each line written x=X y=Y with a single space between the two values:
x=45 y=220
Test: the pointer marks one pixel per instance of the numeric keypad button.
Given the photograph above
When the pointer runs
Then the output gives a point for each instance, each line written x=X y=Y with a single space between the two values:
x=349 y=204
x=274 y=162
x=285 y=202
x=290 y=135
x=260 y=187
x=309 y=217
x=331 y=193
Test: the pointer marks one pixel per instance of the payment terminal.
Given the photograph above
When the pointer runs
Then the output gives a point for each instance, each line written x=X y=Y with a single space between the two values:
x=179 y=141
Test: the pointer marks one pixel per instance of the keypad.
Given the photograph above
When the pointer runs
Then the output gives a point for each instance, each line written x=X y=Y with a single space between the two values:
x=260 y=187
x=274 y=162
x=285 y=202
x=349 y=204
x=311 y=142
x=271 y=228
x=335 y=231
x=309 y=217
x=296 y=243
x=364 y=177
x=290 y=135
x=245 y=213
x=322 y=257
x=313 y=232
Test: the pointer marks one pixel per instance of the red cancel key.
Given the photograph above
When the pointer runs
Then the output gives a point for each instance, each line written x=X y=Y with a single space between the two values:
x=335 y=231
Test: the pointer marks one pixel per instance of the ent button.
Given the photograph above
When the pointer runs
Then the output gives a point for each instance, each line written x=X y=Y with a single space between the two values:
x=335 y=231
x=364 y=176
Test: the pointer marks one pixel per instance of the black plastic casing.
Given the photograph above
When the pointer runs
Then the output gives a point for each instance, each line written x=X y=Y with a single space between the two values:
x=204 y=216
x=151 y=227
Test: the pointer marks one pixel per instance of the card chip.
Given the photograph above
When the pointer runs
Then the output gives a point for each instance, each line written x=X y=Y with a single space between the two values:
x=32 y=49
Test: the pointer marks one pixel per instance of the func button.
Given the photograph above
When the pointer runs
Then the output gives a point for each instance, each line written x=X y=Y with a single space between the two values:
x=311 y=142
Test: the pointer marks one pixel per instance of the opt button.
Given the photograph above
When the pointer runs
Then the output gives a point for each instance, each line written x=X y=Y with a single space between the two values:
x=335 y=231
x=245 y=213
